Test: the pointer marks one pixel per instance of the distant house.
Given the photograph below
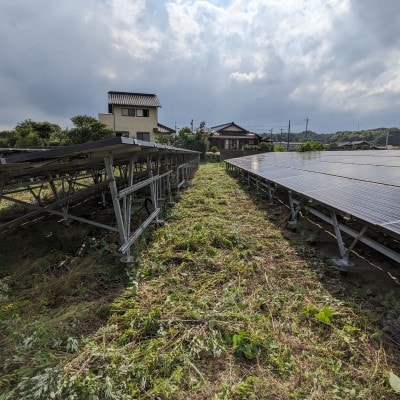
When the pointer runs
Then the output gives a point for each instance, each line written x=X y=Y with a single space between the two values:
x=356 y=145
x=231 y=136
x=162 y=129
x=134 y=115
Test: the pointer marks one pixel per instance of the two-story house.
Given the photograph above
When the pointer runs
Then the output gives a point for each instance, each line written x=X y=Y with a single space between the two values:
x=231 y=136
x=134 y=115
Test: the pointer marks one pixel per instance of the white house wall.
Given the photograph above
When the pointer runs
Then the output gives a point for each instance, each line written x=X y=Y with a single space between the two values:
x=133 y=125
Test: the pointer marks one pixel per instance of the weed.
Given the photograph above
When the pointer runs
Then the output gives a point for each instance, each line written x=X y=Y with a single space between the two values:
x=245 y=347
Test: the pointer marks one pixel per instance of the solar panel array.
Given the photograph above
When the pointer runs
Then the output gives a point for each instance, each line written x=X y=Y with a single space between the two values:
x=363 y=184
x=79 y=157
x=55 y=180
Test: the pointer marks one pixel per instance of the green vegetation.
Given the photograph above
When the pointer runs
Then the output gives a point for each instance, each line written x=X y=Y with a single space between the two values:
x=311 y=145
x=186 y=139
x=263 y=146
x=222 y=304
x=278 y=148
x=43 y=134
x=86 y=129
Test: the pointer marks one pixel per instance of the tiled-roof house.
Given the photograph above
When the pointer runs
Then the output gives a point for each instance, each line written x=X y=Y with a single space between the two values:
x=231 y=136
x=358 y=144
x=134 y=115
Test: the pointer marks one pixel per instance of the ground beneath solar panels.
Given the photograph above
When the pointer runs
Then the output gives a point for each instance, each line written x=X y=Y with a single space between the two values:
x=373 y=276
x=370 y=268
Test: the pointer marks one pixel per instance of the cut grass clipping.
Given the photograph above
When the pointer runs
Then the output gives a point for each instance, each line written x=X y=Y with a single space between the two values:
x=221 y=305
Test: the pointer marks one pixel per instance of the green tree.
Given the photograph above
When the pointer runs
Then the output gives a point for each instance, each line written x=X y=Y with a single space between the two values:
x=166 y=139
x=278 y=148
x=46 y=131
x=197 y=141
x=311 y=145
x=30 y=134
x=186 y=139
x=266 y=146
x=86 y=129
x=7 y=139
x=26 y=135
x=332 y=146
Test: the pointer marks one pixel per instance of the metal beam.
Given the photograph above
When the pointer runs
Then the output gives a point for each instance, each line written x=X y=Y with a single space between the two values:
x=352 y=233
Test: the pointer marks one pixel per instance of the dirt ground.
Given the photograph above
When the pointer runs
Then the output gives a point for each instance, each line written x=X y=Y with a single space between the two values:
x=371 y=269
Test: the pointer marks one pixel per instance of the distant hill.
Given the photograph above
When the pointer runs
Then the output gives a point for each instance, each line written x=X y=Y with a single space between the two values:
x=376 y=137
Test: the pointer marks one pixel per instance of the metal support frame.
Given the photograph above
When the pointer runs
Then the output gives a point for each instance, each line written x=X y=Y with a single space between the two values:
x=294 y=210
x=342 y=262
x=261 y=185
x=358 y=237
x=127 y=179
x=123 y=213
x=183 y=174
x=295 y=206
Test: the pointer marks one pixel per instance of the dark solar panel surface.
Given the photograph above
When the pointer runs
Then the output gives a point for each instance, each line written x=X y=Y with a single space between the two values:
x=364 y=184
x=78 y=157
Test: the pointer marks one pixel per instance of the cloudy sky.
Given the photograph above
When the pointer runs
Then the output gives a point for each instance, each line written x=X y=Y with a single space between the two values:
x=259 y=63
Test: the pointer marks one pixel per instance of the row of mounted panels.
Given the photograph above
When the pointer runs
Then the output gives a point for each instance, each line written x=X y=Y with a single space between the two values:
x=363 y=184
x=64 y=159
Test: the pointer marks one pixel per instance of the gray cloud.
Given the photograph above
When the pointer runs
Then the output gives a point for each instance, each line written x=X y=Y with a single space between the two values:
x=256 y=62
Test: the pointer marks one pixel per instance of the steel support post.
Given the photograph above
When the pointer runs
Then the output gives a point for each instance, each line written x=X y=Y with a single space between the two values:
x=37 y=196
x=359 y=236
x=153 y=186
x=63 y=198
x=294 y=211
x=98 y=178
x=271 y=194
x=257 y=186
x=108 y=161
x=342 y=262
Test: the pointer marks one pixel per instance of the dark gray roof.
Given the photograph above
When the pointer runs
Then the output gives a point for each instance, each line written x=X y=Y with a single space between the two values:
x=218 y=128
x=132 y=99
x=355 y=143
x=164 y=129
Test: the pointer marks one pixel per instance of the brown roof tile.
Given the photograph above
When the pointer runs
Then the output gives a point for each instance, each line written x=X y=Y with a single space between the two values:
x=132 y=99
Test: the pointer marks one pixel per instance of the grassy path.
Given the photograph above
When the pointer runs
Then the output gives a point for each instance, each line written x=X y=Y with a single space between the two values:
x=222 y=306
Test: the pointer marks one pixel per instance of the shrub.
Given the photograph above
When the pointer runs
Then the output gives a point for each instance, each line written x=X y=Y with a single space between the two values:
x=311 y=145
x=214 y=149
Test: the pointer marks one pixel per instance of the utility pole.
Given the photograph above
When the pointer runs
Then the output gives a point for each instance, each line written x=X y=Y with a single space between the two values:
x=175 y=129
x=271 y=134
x=191 y=124
x=306 y=128
x=280 y=139
x=288 y=135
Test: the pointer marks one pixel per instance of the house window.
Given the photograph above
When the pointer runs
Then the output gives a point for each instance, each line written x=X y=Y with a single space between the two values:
x=231 y=144
x=128 y=112
x=122 y=133
x=144 y=136
x=142 y=112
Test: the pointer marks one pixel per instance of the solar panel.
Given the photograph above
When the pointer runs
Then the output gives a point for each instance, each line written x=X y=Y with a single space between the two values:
x=81 y=156
x=119 y=167
x=363 y=184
